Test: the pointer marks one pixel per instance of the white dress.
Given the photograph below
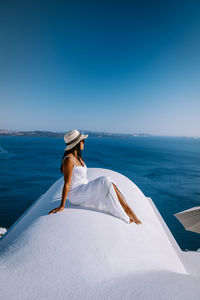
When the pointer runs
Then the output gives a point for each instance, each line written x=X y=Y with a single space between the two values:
x=98 y=193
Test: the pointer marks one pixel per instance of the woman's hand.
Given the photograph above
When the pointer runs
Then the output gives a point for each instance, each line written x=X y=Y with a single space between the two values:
x=56 y=210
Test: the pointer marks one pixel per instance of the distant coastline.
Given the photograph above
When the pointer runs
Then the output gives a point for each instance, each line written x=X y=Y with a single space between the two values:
x=41 y=133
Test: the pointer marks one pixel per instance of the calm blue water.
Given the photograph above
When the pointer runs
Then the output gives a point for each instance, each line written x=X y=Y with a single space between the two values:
x=165 y=169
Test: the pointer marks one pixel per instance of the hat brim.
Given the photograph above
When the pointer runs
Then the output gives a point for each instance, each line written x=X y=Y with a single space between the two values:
x=82 y=137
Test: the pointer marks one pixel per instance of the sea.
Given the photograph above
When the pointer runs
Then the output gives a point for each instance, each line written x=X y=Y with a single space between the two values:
x=167 y=169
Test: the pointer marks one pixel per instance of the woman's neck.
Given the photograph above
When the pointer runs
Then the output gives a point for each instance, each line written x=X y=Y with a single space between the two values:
x=77 y=157
x=75 y=153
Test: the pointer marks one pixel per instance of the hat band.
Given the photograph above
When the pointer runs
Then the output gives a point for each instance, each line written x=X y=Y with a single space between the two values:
x=74 y=140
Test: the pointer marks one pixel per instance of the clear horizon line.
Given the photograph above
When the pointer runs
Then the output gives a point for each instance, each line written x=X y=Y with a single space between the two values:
x=95 y=131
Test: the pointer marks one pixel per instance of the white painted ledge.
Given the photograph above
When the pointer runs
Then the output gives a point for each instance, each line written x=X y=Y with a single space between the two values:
x=86 y=254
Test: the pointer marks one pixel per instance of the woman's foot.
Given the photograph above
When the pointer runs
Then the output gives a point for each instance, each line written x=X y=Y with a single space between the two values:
x=132 y=216
x=137 y=221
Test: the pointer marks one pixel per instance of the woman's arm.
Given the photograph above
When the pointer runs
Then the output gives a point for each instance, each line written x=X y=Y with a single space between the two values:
x=67 y=171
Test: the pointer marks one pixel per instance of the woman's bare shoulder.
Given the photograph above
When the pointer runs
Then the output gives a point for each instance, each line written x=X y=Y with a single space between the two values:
x=68 y=158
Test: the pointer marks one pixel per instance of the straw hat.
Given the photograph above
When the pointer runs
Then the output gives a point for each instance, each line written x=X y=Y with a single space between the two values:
x=72 y=138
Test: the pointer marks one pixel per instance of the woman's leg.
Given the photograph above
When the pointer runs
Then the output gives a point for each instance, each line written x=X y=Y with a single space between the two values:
x=126 y=207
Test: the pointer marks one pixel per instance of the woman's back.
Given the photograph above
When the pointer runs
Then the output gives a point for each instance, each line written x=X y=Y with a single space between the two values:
x=79 y=174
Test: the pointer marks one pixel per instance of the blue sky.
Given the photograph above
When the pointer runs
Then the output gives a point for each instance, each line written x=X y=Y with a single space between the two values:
x=115 y=66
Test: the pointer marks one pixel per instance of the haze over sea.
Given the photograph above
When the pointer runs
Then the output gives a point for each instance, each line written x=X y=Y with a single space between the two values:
x=167 y=169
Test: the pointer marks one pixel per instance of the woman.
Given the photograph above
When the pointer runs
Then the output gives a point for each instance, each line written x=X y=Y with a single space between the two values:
x=100 y=193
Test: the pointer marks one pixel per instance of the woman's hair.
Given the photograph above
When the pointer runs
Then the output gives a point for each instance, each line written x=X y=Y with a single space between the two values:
x=77 y=147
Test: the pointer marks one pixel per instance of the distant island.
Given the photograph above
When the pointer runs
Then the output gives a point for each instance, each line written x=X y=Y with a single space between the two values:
x=41 y=133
